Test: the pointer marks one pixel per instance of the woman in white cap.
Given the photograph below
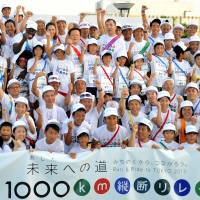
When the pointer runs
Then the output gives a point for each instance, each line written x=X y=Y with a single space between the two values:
x=186 y=118
x=178 y=32
x=168 y=42
x=162 y=115
x=169 y=133
x=134 y=114
x=111 y=134
x=191 y=133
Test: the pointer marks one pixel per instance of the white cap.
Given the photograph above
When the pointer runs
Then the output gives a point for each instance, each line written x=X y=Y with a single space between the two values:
x=169 y=127
x=151 y=89
x=192 y=85
x=93 y=25
x=86 y=95
x=22 y=100
x=186 y=104
x=80 y=79
x=53 y=122
x=19 y=123
x=31 y=24
x=13 y=81
x=92 y=41
x=137 y=57
x=38 y=43
x=191 y=129
x=197 y=53
x=168 y=79
x=182 y=45
x=162 y=94
x=84 y=25
x=193 y=24
x=169 y=36
x=194 y=38
x=61 y=19
x=138 y=26
x=5 y=5
x=105 y=52
x=126 y=26
x=47 y=88
x=179 y=26
x=77 y=106
x=108 y=91
x=113 y=104
x=81 y=130
x=165 y=22
x=54 y=78
x=121 y=53
x=136 y=82
x=60 y=46
x=110 y=111
x=134 y=97
x=146 y=122
x=158 y=42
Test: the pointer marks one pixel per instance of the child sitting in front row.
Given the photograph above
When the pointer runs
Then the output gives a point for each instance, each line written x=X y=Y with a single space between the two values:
x=51 y=141
x=191 y=138
x=169 y=133
x=83 y=137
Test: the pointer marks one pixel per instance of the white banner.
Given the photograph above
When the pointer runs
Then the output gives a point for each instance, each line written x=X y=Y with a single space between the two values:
x=106 y=174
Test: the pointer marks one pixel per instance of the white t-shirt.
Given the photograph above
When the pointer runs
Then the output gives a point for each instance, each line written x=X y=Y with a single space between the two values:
x=148 y=144
x=121 y=80
x=103 y=135
x=74 y=132
x=159 y=66
x=170 y=146
x=57 y=146
x=189 y=146
x=180 y=72
x=3 y=68
x=89 y=61
x=138 y=46
x=64 y=69
x=128 y=119
x=73 y=57
x=118 y=45
x=106 y=82
x=170 y=119
x=78 y=149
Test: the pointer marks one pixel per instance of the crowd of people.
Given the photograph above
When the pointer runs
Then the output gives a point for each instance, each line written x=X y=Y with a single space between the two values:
x=74 y=87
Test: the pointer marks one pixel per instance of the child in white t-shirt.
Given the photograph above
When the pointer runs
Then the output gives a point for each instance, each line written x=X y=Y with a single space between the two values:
x=196 y=67
x=111 y=134
x=144 y=131
x=161 y=67
x=51 y=141
x=191 y=138
x=169 y=133
x=20 y=132
x=83 y=137
x=134 y=114
x=120 y=74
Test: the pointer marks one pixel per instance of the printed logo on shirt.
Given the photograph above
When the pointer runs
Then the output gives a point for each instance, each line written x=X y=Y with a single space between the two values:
x=142 y=185
x=162 y=187
x=122 y=185
x=102 y=186
x=182 y=187
x=82 y=187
